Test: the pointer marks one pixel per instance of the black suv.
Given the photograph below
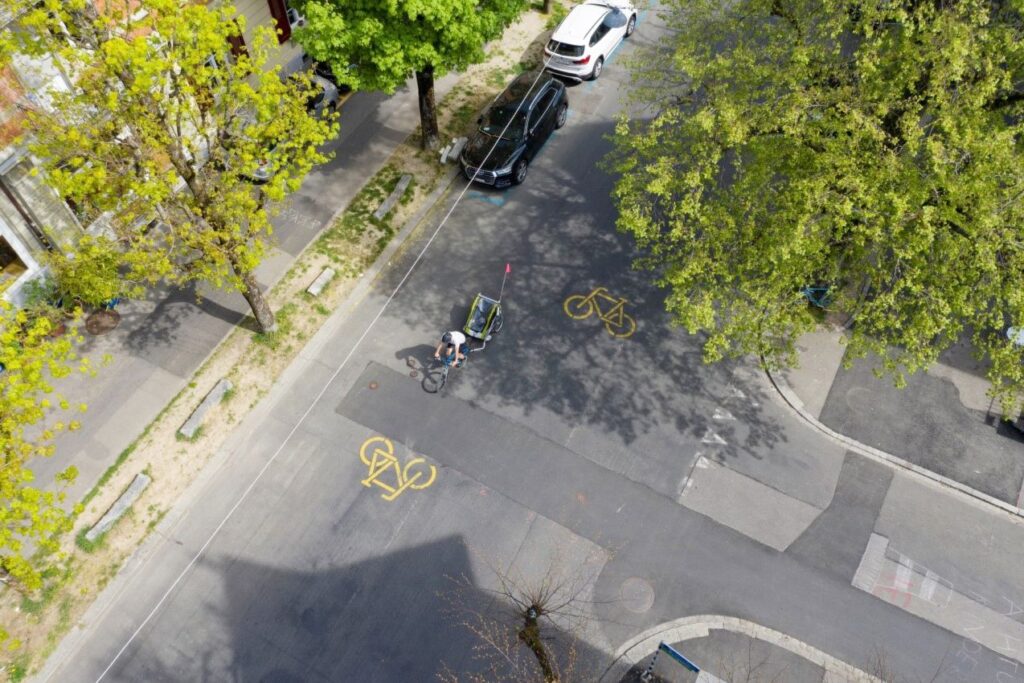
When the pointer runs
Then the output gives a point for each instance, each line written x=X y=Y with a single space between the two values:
x=513 y=128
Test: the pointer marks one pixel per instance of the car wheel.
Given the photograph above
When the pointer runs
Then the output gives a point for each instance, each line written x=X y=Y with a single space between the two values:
x=631 y=26
x=598 y=68
x=519 y=172
x=561 y=116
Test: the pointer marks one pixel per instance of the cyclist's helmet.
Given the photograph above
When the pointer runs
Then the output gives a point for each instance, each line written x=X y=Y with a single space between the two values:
x=446 y=337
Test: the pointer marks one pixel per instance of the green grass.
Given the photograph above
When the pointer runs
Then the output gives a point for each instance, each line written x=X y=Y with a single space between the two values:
x=110 y=471
x=285 y=325
x=87 y=546
x=189 y=439
x=558 y=12
x=18 y=669
x=53 y=579
x=358 y=221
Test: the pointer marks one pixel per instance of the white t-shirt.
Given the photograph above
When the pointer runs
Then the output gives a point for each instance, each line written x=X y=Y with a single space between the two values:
x=458 y=339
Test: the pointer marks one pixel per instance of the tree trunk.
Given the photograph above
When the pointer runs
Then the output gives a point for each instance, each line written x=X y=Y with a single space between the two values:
x=428 y=110
x=530 y=634
x=258 y=303
x=546 y=7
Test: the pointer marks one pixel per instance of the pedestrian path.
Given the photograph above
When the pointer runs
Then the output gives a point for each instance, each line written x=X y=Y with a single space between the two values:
x=165 y=337
x=725 y=649
x=941 y=426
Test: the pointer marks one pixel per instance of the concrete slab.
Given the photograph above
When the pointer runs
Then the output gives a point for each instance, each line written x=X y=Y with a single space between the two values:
x=748 y=506
x=836 y=540
x=926 y=424
x=821 y=356
x=901 y=581
x=979 y=552
x=140 y=407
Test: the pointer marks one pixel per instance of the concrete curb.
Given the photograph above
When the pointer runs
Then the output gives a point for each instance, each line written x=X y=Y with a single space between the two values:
x=797 y=405
x=642 y=645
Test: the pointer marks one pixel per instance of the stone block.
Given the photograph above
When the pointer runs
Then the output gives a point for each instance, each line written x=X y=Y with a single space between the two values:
x=393 y=198
x=120 y=506
x=321 y=281
x=195 y=420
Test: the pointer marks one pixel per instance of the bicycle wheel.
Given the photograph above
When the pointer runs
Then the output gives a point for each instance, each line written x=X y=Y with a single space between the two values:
x=626 y=329
x=435 y=378
x=578 y=306
x=418 y=473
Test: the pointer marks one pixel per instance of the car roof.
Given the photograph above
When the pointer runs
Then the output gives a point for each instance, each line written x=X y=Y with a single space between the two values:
x=576 y=26
x=519 y=88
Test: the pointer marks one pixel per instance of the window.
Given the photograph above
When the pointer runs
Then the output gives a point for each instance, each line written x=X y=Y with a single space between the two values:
x=542 y=106
x=600 y=33
x=565 y=49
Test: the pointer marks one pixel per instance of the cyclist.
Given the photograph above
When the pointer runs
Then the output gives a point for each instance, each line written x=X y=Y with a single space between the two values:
x=453 y=342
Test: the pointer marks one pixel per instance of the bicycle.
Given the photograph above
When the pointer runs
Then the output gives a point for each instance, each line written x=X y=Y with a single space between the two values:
x=618 y=323
x=436 y=375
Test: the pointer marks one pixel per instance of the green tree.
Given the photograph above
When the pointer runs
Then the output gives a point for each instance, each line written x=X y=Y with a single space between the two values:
x=872 y=146
x=92 y=274
x=375 y=45
x=32 y=519
x=168 y=121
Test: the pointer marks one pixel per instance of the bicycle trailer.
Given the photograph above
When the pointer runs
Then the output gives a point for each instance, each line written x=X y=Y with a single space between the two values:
x=484 y=319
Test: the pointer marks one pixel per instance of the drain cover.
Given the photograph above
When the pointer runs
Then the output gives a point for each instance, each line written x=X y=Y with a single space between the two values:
x=637 y=595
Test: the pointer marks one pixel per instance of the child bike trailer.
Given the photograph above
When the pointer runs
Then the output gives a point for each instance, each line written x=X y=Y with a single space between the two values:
x=484 y=319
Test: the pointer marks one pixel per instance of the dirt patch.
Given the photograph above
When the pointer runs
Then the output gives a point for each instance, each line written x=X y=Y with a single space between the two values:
x=252 y=362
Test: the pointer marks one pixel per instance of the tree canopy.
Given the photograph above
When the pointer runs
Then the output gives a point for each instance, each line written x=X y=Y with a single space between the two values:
x=32 y=518
x=869 y=146
x=373 y=45
x=169 y=122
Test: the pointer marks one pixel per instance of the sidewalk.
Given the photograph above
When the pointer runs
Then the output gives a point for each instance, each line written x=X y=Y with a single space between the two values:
x=163 y=339
x=941 y=426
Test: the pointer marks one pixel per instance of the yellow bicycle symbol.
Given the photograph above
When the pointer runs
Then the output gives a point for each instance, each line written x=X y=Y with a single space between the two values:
x=618 y=323
x=380 y=459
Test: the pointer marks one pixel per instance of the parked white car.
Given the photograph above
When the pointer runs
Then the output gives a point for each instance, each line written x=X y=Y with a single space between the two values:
x=589 y=33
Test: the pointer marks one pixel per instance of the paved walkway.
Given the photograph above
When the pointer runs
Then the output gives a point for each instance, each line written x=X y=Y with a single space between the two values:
x=942 y=426
x=163 y=339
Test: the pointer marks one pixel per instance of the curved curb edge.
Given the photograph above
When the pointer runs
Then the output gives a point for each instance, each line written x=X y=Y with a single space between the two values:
x=687 y=628
x=797 y=405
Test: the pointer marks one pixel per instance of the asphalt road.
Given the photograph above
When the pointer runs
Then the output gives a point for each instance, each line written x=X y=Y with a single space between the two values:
x=301 y=557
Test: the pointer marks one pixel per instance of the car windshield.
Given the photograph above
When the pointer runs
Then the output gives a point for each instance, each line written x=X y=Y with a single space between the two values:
x=497 y=120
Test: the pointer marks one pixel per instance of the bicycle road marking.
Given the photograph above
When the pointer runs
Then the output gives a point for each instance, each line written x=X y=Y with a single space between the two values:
x=380 y=461
x=617 y=322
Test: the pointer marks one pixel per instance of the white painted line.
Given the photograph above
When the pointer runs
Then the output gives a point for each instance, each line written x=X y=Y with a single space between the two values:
x=870 y=568
x=302 y=418
x=710 y=436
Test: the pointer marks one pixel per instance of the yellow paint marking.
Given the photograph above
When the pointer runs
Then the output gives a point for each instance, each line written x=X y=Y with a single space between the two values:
x=378 y=454
x=611 y=310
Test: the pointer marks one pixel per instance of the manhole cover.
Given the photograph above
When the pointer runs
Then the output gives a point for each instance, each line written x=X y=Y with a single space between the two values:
x=102 y=322
x=637 y=595
x=374 y=385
